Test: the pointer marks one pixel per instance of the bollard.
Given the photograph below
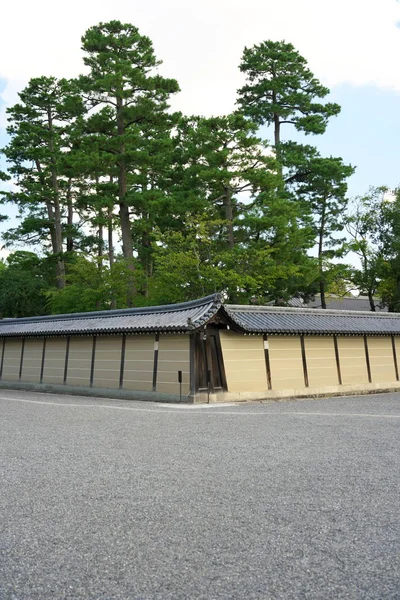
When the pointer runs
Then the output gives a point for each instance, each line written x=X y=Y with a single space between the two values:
x=180 y=385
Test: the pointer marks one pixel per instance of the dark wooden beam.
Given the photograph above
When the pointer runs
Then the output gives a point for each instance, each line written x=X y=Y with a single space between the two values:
x=122 y=363
x=367 y=359
x=2 y=357
x=396 y=366
x=155 y=364
x=66 y=360
x=93 y=360
x=43 y=359
x=22 y=357
x=267 y=362
x=339 y=372
x=304 y=359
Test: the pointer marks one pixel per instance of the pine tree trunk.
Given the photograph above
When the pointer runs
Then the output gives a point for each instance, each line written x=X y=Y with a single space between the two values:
x=57 y=208
x=320 y=255
x=100 y=246
x=110 y=230
x=70 y=219
x=371 y=302
x=126 y=234
x=229 y=217
x=49 y=208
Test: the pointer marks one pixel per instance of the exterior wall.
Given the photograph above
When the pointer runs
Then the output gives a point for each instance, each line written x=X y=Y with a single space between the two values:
x=54 y=360
x=321 y=361
x=139 y=363
x=243 y=356
x=244 y=361
x=32 y=363
x=381 y=360
x=353 y=364
x=107 y=363
x=79 y=361
x=173 y=356
x=286 y=362
x=12 y=359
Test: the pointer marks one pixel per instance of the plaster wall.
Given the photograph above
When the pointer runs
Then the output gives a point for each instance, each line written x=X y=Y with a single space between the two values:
x=173 y=356
x=244 y=361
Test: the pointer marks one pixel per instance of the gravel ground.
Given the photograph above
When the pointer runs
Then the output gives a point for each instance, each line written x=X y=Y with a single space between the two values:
x=104 y=499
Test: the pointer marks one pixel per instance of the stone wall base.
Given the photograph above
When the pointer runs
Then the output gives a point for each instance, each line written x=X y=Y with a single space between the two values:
x=339 y=390
x=335 y=390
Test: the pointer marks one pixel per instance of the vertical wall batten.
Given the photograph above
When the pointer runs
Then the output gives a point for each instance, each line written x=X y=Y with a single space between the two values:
x=192 y=363
x=66 y=360
x=335 y=343
x=92 y=361
x=122 y=364
x=367 y=358
x=22 y=357
x=2 y=357
x=43 y=359
x=396 y=366
x=304 y=359
x=155 y=365
x=267 y=361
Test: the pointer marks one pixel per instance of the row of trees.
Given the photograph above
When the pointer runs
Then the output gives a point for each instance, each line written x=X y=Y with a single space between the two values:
x=129 y=203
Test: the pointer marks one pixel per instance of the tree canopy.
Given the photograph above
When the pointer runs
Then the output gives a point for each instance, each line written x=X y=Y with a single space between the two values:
x=124 y=202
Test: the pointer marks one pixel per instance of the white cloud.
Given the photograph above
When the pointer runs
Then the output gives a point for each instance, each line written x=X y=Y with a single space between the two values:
x=201 y=41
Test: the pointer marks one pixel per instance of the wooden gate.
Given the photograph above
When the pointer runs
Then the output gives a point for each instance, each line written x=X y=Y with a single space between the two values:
x=209 y=364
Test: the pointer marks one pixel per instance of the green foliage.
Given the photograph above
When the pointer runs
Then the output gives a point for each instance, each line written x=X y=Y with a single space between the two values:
x=280 y=89
x=132 y=204
x=92 y=286
x=24 y=279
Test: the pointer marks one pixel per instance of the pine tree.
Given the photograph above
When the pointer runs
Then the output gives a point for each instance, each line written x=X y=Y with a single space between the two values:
x=39 y=127
x=129 y=98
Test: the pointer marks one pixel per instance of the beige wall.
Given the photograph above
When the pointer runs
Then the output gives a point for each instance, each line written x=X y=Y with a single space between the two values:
x=107 y=361
x=381 y=359
x=139 y=363
x=353 y=365
x=54 y=362
x=286 y=362
x=321 y=361
x=12 y=359
x=32 y=363
x=244 y=361
x=79 y=360
x=173 y=356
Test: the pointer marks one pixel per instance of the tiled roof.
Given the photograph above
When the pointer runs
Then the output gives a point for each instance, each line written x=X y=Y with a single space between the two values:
x=182 y=317
x=191 y=316
x=339 y=303
x=271 y=319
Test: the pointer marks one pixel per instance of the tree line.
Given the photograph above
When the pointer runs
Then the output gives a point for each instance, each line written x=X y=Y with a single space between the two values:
x=126 y=202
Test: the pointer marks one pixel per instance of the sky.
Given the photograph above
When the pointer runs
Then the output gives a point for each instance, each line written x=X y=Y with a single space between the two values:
x=352 y=46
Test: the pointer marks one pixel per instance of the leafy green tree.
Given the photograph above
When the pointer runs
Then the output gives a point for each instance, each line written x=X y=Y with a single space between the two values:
x=363 y=224
x=280 y=89
x=324 y=191
x=24 y=282
x=90 y=288
x=38 y=127
x=227 y=165
x=130 y=97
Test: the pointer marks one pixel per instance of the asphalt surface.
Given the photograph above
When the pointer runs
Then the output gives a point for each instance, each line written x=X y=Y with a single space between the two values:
x=104 y=499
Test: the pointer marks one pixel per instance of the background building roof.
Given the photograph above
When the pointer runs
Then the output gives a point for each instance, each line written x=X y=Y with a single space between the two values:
x=339 y=303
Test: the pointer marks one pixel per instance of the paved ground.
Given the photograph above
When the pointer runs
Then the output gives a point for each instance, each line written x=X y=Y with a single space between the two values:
x=111 y=499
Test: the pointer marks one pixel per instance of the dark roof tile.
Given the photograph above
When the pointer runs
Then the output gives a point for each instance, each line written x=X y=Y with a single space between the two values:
x=269 y=319
x=182 y=317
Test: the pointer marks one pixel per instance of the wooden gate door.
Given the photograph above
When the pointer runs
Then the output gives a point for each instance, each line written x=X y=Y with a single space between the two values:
x=209 y=365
